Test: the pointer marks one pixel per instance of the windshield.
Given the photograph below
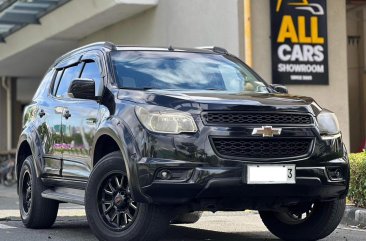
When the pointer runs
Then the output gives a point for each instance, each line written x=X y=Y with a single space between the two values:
x=184 y=70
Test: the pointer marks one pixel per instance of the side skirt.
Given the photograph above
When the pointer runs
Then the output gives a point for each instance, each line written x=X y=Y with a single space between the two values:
x=69 y=191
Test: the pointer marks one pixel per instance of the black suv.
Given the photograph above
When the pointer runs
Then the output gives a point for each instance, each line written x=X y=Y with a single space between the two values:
x=144 y=137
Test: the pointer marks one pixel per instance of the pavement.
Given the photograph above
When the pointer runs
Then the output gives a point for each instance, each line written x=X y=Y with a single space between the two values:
x=354 y=216
x=71 y=224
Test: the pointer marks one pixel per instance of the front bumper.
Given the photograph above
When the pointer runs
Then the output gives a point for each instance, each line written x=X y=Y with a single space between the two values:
x=225 y=188
x=213 y=181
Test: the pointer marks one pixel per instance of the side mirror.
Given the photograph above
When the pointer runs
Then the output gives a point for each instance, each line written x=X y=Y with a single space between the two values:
x=84 y=89
x=279 y=88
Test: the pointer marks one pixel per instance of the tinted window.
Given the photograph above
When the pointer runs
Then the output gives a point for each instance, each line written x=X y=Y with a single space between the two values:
x=184 y=70
x=68 y=76
x=91 y=71
x=57 y=81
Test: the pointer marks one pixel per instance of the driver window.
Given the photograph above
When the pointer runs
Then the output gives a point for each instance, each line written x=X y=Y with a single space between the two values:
x=69 y=74
x=91 y=71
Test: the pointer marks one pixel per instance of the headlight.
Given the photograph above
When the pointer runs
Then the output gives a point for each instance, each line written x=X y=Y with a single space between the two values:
x=328 y=125
x=166 y=121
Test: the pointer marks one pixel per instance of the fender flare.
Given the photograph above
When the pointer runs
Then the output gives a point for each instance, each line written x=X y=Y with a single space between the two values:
x=118 y=130
x=31 y=136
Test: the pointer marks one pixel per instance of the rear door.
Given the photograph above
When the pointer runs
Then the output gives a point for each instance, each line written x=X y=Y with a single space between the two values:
x=80 y=121
x=49 y=128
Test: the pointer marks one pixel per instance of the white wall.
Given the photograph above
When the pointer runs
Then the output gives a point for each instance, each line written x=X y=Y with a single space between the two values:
x=187 y=23
x=334 y=96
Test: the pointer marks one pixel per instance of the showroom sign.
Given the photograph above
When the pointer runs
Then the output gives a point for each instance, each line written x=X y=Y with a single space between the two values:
x=299 y=42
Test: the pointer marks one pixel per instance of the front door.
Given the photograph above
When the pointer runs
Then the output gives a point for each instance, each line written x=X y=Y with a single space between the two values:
x=80 y=121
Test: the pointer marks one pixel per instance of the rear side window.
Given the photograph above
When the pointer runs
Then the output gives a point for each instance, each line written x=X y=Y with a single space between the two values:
x=68 y=76
x=91 y=71
x=57 y=81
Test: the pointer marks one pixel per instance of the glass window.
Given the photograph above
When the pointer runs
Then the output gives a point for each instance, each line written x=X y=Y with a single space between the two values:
x=68 y=76
x=184 y=70
x=91 y=71
x=57 y=81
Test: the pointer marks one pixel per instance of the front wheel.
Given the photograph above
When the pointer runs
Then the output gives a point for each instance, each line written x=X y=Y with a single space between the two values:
x=306 y=222
x=111 y=210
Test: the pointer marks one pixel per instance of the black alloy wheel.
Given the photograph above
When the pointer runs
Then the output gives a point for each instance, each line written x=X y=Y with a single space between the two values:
x=112 y=212
x=305 y=222
x=27 y=192
x=116 y=205
x=296 y=215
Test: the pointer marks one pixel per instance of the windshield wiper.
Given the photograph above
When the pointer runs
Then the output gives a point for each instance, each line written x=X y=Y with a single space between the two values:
x=215 y=89
x=143 y=88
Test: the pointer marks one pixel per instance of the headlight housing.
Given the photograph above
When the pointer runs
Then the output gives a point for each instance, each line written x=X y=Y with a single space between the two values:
x=167 y=121
x=328 y=125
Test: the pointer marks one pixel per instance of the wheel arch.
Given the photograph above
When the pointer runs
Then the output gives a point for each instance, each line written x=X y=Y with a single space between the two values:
x=29 y=144
x=24 y=150
x=103 y=146
x=114 y=134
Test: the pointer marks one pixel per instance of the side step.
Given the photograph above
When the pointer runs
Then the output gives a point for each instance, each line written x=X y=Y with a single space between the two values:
x=63 y=197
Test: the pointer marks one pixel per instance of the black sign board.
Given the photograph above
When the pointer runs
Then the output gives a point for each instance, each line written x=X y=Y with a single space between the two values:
x=299 y=42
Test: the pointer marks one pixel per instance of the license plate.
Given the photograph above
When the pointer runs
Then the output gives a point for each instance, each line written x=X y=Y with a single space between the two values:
x=271 y=174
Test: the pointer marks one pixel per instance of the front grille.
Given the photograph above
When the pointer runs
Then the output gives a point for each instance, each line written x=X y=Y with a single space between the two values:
x=251 y=148
x=238 y=118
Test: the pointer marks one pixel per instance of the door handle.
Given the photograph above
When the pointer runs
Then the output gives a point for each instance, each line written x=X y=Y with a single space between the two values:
x=41 y=113
x=91 y=121
x=67 y=114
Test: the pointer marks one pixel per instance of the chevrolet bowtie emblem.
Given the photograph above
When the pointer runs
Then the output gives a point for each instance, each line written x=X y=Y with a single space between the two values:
x=267 y=131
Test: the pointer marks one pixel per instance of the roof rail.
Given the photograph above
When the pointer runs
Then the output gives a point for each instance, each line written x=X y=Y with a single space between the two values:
x=214 y=49
x=108 y=45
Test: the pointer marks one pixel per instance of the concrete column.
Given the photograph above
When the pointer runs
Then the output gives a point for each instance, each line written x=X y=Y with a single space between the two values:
x=356 y=74
x=2 y=118
x=8 y=124
x=16 y=114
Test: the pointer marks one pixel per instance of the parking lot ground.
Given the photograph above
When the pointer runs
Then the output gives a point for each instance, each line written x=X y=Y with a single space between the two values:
x=232 y=226
x=71 y=225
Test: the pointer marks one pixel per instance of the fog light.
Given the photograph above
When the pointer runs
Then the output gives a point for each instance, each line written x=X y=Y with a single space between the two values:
x=335 y=173
x=338 y=173
x=164 y=174
x=174 y=174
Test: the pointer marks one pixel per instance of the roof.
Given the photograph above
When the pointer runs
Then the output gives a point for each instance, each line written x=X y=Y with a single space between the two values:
x=15 y=15
x=171 y=48
x=112 y=46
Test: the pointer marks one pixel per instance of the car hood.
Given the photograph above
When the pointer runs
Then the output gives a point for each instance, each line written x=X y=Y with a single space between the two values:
x=197 y=101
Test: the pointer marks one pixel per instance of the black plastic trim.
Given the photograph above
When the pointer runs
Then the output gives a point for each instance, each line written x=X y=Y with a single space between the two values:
x=297 y=158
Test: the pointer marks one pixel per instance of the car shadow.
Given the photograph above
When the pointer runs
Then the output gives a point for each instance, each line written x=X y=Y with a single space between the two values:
x=182 y=233
x=79 y=228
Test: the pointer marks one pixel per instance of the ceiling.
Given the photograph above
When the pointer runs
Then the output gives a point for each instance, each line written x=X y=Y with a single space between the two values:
x=15 y=15
x=28 y=51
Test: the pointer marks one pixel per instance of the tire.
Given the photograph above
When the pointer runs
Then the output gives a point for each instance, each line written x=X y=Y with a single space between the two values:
x=187 y=218
x=144 y=222
x=35 y=211
x=323 y=218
